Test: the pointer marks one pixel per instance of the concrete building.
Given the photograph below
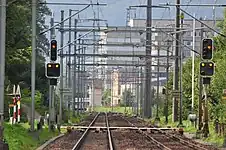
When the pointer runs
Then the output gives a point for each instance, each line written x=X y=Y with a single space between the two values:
x=135 y=33
x=116 y=90
x=95 y=92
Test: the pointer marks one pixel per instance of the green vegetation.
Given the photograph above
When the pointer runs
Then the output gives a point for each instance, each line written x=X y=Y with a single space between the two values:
x=76 y=119
x=114 y=109
x=216 y=106
x=106 y=98
x=18 y=137
x=188 y=127
x=18 y=71
x=18 y=53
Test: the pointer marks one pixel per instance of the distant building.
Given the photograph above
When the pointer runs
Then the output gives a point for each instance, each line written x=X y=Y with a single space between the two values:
x=116 y=91
x=95 y=92
x=135 y=33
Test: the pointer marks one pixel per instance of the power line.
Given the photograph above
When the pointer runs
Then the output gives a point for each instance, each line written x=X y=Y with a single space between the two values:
x=72 y=4
x=180 y=42
x=65 y=19
x=202 y=23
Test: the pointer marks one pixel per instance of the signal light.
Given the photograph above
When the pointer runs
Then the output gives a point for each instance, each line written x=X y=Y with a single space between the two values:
x=207 y=50
x=163 y=91
x=53 y=70
x=53 y=46
x=206 y=68
x=53 y=56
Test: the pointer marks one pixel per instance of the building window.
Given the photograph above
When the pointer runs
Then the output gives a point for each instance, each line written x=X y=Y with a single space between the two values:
x=188 y=43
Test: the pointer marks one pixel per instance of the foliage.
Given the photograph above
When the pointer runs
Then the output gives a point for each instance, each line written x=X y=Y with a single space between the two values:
x=106 y=100
x=114 y=109
x=127 y=97
x=218 y=81
x=214 y=138
x=18 y=137
x=18 y=48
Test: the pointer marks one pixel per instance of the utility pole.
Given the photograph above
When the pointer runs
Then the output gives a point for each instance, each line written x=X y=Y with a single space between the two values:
x=69 y=50
x=157 y=101
x=141 y=92
x=94 y=74
x=79 y=78
x=78 y=82
x=200 y=86
x=181 y=72
x=193 y=69
x=82 y=77
x=34 y=5
x=74 y=88
x=51 y=87
x=148 y=69
x=176 y=64
x=126 y=91
x=214 y=16
x=61 y=63
x=206 y=124
x=84 y=80
x=167 y=79
x=2 y=63
x=111 y=91
x=137 y=94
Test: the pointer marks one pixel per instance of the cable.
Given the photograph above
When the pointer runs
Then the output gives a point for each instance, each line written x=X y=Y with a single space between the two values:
x=179 y=41
x=202 y=23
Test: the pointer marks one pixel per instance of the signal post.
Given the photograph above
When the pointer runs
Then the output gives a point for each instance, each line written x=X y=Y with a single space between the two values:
x=52 y=73
x=206 y=72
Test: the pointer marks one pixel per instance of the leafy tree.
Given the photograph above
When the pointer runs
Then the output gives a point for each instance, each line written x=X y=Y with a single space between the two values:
x=18 y=47
x=106 y=100
x=218 y=81
x=127 y=97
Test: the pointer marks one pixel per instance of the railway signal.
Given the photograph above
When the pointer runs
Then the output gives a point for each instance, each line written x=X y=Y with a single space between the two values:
x=206 y=69
x=53 y=70
x=53 y=56
x=207 y=49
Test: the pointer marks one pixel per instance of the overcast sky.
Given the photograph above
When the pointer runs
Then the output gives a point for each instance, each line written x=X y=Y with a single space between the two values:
x=115 y=11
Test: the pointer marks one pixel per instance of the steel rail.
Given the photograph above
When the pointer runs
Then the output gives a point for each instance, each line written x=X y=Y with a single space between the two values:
x=189 y=144
x=111 y=146
x=79 y=142
x=160 y=145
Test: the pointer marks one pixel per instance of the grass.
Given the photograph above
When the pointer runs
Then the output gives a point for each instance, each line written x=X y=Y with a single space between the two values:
x=75 y=119
x=214 y=138
x=113 y=109
x=18 y=137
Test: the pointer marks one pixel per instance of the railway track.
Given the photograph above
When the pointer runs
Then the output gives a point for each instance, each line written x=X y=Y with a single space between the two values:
x=116 y=132
x=96 y=140
x=171 y=142
x=67 y=141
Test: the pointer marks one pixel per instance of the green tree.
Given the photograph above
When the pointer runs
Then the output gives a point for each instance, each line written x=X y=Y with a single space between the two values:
x=218 y=81
x=127 y=97
x=18 y=47
x=106 y=100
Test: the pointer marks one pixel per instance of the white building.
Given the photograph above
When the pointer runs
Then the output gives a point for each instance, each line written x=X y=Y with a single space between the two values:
x=136 y=34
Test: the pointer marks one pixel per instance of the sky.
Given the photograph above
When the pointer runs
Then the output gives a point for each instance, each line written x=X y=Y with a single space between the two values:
x=115 y=11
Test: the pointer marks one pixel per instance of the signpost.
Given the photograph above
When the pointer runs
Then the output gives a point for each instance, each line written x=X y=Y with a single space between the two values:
x=15 y=107
x=224 y=94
